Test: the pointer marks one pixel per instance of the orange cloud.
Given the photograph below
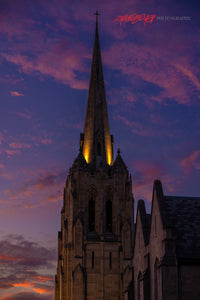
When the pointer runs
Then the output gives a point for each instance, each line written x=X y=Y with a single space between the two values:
x=32 y=286
x=42 y=278
x=16 y=94
x=23 y=284
x=41 y=290
x=8 y=258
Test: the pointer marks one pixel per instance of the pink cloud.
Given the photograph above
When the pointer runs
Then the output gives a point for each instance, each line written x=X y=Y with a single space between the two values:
x=135 y=127
x=25 y=253
x=1 y=138
x=59 y=57
x=191 y=76
x=143 y=65
x=158 y=64
x=191 y=161
x=35 y=190
x=16 y=147
x=26 y=114
x=59 y=62
x=16 y=94
x=148 y=172
x=19 y=145
x=4 y=173
x=54 y=197
x=153 y=60
x=13 y=79
x=48 y=179
x=123 y=96
x=14 y=23
x=143 y=178
x=12 y=152
x=46 y=141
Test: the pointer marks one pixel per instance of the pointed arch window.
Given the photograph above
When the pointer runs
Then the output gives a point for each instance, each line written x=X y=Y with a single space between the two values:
x=109 y=215
x=110 y=260
x=91 y=214
x=92 y=259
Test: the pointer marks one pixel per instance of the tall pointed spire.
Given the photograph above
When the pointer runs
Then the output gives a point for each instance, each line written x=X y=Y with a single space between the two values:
x=97 y=144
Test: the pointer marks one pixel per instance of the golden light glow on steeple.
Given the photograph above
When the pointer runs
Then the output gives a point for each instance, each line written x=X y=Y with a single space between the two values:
x=109 y=158
x=86 y=152
x=108 y=147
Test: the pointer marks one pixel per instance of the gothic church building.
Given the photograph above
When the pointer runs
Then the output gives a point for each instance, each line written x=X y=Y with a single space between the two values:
x=95 y=242
x=102 y=254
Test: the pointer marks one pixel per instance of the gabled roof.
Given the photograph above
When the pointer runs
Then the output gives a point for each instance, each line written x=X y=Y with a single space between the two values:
x=182 y=215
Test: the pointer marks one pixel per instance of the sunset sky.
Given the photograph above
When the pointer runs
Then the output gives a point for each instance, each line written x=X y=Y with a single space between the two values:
x=152 y=80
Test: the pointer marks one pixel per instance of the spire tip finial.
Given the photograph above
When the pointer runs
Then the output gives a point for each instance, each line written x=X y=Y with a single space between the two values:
x=97 y=14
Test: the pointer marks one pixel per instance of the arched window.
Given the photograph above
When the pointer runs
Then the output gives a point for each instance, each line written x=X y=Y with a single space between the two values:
x=109 y=215
x=91 y=215
x=99 y=149
x=110 y=260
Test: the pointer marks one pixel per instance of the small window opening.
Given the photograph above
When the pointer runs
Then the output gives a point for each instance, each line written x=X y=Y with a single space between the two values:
x=110 y=260
x=91 y=215
x=109 y=215
x=92 y=259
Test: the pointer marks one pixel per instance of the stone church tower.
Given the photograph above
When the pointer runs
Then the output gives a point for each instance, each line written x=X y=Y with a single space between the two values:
x=95 y=242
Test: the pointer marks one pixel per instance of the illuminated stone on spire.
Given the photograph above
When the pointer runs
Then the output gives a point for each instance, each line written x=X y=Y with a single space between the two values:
x=97 y=144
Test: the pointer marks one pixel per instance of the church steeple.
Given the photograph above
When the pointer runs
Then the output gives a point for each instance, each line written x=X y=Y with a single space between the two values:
x=96 y=143
x=95 y=241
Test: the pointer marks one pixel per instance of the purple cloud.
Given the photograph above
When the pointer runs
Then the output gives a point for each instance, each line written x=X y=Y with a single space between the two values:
x=22 y=266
